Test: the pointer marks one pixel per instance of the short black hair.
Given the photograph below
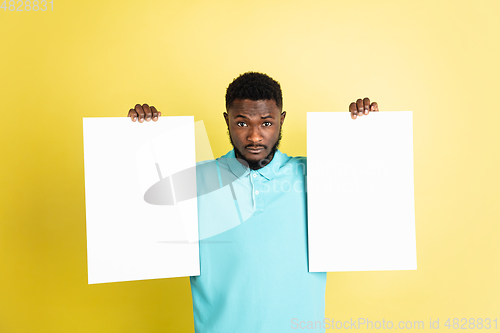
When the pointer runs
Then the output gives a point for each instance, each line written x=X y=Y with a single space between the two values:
x=254 y=86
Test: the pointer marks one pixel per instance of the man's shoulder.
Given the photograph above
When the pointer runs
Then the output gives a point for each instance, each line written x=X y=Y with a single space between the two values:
x=293 y=159
x=212 y=162
x=201 y=164
x=208 y=168
x=298 y=159
x=213 y=168
x=294 y=164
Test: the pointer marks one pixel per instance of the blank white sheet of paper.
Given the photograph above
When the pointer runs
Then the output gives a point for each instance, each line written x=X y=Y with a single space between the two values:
x=361 y=214
x=127 y=237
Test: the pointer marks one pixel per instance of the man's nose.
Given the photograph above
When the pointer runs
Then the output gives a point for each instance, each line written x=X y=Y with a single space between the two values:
x=254 y=135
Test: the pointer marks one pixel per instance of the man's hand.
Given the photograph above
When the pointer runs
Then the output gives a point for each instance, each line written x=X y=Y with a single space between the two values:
x=144 y=112
x=362 y=107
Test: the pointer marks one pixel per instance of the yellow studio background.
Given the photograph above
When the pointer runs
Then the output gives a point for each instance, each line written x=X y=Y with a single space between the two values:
x=99 y=58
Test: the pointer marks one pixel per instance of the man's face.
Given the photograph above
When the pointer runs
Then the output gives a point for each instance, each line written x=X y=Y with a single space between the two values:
x=254 y=129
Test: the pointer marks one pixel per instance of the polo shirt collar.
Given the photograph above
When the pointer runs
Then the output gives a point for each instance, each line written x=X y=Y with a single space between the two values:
x=268 y=172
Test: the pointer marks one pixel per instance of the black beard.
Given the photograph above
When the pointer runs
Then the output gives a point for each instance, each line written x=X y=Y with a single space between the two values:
x=254 y=165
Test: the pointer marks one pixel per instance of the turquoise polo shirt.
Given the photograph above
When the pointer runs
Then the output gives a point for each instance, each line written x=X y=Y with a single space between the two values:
x=253 y=248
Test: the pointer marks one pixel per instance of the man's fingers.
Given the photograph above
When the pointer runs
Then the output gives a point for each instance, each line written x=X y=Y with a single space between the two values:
x=147 y=112
x=154 y=113
x=143 y=113
x=140 y=112
x=366 y=105
x=132 y=114
x=360 y=106
x=353 y=109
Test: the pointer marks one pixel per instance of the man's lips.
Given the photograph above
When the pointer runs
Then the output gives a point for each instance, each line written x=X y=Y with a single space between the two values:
x=255 y=149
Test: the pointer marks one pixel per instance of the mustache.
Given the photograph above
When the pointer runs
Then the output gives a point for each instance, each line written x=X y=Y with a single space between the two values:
x=253 y=146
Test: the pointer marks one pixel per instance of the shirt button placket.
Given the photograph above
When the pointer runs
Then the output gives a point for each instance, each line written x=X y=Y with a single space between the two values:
x=259 y=195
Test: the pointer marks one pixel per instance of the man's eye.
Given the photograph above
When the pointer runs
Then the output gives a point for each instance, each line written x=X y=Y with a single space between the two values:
x=240 y=124
x=267 y=124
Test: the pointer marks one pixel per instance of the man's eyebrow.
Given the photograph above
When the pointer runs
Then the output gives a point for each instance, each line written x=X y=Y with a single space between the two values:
x=263 y=117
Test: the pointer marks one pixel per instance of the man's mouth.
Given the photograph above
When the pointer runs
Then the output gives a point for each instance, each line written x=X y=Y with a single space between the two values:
x=255 y=150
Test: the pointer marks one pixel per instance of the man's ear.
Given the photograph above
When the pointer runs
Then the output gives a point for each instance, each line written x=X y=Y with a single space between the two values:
x=282 y=117
x=226 y=117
